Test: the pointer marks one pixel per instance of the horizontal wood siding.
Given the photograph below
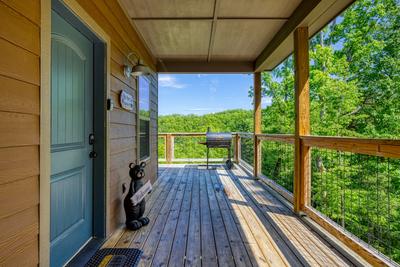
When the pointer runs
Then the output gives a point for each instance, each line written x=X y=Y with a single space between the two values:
x=109 y=15
x=153 y=164
x=19 y=132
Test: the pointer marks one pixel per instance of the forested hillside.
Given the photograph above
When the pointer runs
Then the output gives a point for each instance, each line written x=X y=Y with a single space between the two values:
x=354 y=91
x=230 y=120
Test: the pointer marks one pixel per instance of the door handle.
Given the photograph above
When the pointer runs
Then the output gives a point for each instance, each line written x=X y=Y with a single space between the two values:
x=93 y=154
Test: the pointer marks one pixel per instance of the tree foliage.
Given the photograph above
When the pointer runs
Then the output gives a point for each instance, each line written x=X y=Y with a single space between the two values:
x=226 y=121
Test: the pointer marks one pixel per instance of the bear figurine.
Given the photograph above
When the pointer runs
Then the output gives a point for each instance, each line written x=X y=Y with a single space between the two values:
x=134 y=213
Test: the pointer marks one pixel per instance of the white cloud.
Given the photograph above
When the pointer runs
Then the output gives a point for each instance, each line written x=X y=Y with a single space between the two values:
x=169 y=81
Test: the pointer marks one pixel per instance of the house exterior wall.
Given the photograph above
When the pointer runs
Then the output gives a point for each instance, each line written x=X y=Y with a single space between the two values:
x=20 y=121
x=19 y=131
x=153 y=164
x=109 y=15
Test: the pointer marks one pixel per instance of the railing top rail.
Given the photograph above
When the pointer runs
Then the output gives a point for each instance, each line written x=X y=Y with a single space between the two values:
x=358 y=140
x=288 y=138
x=185 y=134
x=369 y=146
x=374 y=147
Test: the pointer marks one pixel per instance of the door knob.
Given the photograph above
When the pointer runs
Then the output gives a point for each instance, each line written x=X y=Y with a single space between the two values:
x=93 y=154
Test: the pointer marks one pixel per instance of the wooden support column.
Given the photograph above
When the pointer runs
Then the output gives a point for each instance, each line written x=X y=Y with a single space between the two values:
x=238 y=148
x=257 y=124
x=302 y=126
x=169 y=148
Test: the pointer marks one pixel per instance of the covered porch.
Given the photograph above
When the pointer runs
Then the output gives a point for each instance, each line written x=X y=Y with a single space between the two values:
x=263 y=212
x=221 y=217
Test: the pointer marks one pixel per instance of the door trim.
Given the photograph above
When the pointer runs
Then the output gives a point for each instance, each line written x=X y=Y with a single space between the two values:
x=102 y=50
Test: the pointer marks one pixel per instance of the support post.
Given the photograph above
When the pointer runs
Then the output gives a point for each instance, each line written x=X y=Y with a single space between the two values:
x=238 y=148
x=302 y=125
x=257 y=124
x=169 y=148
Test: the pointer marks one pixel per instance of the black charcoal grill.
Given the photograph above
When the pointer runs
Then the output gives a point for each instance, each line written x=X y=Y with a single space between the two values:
x=219 y=140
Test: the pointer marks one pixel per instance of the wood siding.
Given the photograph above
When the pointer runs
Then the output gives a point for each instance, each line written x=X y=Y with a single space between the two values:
x=124 y=40
x=20 y=121
x=19 y=132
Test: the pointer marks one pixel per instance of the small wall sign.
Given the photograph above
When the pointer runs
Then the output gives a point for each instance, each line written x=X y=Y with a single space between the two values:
x=126 y=100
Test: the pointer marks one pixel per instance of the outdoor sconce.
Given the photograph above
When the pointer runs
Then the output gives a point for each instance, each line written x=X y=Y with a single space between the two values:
x=136 y=69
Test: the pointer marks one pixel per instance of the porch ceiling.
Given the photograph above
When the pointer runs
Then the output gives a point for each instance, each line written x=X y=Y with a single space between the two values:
x=225 y=35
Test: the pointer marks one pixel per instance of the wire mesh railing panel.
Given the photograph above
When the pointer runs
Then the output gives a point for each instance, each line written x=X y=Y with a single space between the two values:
x=247 y=149
x=161 y=147
x=361 y=193
x=278 y=162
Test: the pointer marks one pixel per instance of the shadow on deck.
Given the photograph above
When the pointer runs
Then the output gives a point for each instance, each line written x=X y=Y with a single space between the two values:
x=222 y=217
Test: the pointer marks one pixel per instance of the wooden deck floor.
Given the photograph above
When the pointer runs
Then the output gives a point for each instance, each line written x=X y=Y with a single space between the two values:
x=217 y=217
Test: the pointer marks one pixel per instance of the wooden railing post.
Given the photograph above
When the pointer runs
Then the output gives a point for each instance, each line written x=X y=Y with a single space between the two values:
x=302 y=178
x=169 y=147
x=238 y=148
x=257 y=124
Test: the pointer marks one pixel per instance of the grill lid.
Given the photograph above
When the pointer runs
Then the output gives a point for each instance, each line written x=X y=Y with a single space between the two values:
x=218 y=137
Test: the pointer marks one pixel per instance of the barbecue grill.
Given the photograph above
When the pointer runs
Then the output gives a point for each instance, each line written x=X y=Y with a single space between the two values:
x=218 y=140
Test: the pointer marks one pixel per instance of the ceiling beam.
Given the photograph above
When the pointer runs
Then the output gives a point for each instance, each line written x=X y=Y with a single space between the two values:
x=213 y=29
x=208 y=18
x=183 y=66
x=300 y=13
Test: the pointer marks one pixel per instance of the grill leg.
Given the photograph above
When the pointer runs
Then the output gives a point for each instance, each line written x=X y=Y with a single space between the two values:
x=229 y=162
x=207 y=158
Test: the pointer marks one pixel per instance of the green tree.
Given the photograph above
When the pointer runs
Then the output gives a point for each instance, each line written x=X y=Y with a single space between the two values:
x=369 y=38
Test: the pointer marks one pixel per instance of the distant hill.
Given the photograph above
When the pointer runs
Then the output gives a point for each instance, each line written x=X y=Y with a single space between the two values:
x=236 y=120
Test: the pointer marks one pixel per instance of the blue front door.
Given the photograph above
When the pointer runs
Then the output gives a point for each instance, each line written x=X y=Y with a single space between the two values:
x=71 y=124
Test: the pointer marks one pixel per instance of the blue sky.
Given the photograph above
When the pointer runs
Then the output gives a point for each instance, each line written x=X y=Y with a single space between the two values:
x=203 y=93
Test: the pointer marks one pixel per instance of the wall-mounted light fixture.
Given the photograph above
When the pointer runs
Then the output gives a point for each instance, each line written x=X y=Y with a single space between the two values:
x=135 y=69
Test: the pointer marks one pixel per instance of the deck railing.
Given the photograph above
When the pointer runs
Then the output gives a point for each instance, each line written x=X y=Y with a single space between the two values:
x=186 y=147
x=354 y=189
x=354 y=184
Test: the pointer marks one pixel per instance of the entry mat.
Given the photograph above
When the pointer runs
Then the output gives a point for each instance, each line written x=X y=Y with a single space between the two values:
x=115 y=257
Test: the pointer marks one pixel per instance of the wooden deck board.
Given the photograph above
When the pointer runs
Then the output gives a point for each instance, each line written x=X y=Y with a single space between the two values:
x=149 y=246
x=224 y=253
x=178 y=251
x=239 y=251
x=164 y=246
x=289 y=223
x=208 y=250
x=263 y=232
x=217 y=217
x=193 y=245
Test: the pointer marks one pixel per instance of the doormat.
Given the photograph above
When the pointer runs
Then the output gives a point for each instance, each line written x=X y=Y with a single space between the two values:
x=115 y=257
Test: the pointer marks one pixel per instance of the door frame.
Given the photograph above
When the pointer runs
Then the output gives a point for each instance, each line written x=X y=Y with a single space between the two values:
x=72 y=12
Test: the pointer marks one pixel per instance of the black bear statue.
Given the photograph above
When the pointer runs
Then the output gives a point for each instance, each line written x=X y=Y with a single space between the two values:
x=134 y=213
